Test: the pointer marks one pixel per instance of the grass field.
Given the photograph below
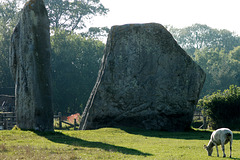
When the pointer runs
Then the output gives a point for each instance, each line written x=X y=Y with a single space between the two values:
x=109 y=143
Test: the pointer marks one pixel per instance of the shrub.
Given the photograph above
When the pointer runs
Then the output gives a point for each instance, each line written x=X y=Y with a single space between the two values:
x=223 y=108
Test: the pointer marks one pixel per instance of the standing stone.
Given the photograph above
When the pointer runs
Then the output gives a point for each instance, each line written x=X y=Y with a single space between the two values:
x=30 y=66
x=146 y=80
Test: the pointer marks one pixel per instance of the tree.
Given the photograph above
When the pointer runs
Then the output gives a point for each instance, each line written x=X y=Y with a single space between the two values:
x=75 y=59
x=8 y=19
x=221 y=69
x=223 y=108
x=97 y=33
x=235 y=53
x=200 y=36
x=72 y=15
x=75 y=64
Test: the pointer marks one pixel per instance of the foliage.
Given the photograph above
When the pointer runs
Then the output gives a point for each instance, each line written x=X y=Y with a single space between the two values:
x=8 y=19
x=75 y=60
x=200 y=36
x=216 y=51
x=75 y=64
x=97 y=33
x=235 y=54
x=223 y=107
x=109 y=143
x=221 y=69
x=73 y=15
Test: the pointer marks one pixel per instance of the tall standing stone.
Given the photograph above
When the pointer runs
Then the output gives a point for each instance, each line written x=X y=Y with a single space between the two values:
x=30 y=66
x=146 y=80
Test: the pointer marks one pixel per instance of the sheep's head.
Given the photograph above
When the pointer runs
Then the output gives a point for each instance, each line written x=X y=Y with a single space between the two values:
x=209 y=150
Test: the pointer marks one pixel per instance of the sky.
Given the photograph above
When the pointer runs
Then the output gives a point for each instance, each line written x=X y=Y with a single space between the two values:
x=220 y=14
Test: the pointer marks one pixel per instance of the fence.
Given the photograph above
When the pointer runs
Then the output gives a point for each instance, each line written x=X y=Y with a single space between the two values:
x=7 y=120
x=60 y=120
x=203 y=120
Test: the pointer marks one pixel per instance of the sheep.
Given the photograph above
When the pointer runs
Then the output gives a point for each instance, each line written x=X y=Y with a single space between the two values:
x=220 y=137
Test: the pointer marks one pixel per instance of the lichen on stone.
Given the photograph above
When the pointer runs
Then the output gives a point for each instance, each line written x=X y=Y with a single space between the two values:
x=29 y=59
x=34 y=18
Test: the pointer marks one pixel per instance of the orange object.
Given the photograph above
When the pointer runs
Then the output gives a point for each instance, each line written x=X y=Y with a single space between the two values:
x=72 y=117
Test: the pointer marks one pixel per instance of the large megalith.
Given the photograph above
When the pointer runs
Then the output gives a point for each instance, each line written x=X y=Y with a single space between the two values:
x=146 y=80
x=30 y=66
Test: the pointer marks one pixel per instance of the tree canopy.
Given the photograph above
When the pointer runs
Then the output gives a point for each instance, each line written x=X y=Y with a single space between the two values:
x=75 y=64
x=8 y=19
x=73 y=15
x=216 y=51
x=200 y=36
x=221 y=69
x=75 y=59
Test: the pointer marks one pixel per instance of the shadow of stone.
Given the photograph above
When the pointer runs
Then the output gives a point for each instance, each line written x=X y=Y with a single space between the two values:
x=58 y=137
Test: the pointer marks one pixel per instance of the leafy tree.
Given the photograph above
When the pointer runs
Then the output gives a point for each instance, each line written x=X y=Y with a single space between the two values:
x=97 y=33
x=75 y=63
x=72 y=15
x=223 y=108
x=221 y=69
x=8 y=19
x=75 y=59
x=235 y=53
x=200 y=36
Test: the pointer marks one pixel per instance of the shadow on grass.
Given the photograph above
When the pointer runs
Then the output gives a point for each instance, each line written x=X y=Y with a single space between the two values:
x=58 y=137
x=188 y=135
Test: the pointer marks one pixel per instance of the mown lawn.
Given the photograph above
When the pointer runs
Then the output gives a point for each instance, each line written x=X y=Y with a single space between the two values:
x=109 y=143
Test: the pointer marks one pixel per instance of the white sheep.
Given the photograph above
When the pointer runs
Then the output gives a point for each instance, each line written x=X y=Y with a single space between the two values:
x=220 y=137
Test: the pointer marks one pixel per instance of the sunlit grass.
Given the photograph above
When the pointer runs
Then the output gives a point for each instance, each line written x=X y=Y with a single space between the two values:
x=109 y=143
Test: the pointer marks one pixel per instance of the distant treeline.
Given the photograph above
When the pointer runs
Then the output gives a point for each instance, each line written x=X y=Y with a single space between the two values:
x=216 y=51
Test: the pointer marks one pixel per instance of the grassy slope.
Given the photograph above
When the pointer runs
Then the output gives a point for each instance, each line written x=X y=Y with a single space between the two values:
x=109 y=143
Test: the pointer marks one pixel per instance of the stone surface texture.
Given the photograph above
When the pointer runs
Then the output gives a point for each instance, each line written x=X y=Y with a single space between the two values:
x=146 y=80
x=30 y=66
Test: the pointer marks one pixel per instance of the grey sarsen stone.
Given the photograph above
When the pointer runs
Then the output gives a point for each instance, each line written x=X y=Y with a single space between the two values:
x=146 y=80
x=30 y=66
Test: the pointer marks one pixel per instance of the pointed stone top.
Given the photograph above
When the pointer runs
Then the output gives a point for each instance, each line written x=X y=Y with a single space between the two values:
x=32 y=3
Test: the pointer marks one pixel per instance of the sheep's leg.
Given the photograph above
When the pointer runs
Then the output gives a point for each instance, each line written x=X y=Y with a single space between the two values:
x=230 y=148
x=224 y=155
x=216 y=149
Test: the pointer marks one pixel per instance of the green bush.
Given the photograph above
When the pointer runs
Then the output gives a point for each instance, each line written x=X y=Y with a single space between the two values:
x=223 y=108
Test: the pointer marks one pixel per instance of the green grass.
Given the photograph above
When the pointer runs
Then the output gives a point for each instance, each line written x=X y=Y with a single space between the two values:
x=109 y=143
